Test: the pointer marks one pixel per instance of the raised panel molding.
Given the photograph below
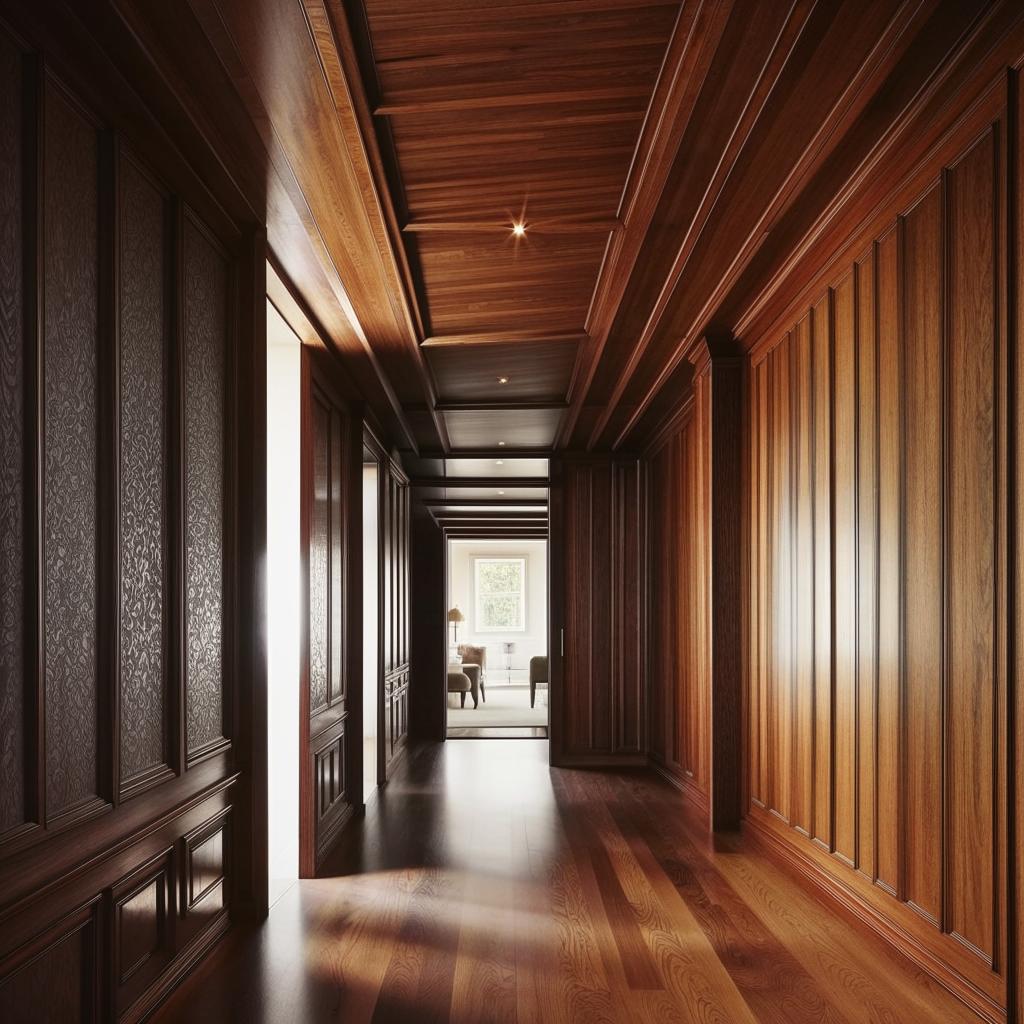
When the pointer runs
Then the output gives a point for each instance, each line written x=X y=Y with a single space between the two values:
x=877 y=574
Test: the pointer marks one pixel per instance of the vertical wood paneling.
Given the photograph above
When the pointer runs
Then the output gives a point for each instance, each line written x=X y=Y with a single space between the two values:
x=897 y=573
x=71 y=459
x=320 y=560
x=803 y=583
x=867 y=571
x=822 y=400
x=890 y=403
x=923 y=513
x=601 y=689
x=971 y=738
x=844 y=554
x=14 y=376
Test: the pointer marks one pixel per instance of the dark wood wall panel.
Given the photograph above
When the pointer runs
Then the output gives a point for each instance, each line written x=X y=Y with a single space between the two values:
x=143 y=319
x=600 y=708
x=205 y=313
x=120 y=594
x=13 y=386
x=877 y=568
x=395 y=500
x=332 y=516
x=70 y=341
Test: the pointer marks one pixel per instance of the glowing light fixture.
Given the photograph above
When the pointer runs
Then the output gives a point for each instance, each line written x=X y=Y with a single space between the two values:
x=503 y=380
x=499 y=462
x=519 y=229
x=501 y=444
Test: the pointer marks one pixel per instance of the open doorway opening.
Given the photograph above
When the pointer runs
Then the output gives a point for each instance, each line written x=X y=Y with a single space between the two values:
x=371 y=625
x=284 y=355
x=497 y=638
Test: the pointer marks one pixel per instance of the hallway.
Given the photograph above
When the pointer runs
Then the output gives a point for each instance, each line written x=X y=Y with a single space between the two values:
x=484 y=886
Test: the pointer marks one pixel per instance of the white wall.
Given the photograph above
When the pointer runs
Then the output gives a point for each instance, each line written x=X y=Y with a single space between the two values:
x=460 y=592
x=283 y=359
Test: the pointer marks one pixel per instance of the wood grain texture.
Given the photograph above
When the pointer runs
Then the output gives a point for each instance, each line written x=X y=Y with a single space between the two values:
x=599 y=523
x=898 y=747
x=488 y=886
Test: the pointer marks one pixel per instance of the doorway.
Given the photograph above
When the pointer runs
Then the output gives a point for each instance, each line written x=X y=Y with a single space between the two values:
x=371 y=625
x=497 y=600
x=284 y=360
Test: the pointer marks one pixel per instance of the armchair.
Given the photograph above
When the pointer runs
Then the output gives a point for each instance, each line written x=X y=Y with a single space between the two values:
x=472 y=655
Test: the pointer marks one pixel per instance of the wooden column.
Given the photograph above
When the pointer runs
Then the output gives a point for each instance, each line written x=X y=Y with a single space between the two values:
x=718 y=407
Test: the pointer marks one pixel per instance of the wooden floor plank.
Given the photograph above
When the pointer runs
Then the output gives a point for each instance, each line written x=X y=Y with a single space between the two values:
x=483 y=886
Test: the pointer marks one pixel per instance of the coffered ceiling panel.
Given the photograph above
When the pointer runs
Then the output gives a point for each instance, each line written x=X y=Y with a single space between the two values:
x=476 y=428
x=513 y=468
x=531 y=370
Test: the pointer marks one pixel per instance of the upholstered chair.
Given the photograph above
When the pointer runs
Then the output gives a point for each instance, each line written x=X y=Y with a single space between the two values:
x=538 y=675
x=472 y=655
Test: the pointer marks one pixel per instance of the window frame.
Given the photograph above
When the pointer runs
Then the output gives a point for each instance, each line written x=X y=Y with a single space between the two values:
x=480 y=627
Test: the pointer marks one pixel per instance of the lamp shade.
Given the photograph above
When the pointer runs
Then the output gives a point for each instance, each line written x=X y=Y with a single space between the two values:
x=454 y=615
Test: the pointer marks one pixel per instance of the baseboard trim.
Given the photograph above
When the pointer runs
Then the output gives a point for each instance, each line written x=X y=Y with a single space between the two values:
x=694 y=795
x=853 y=905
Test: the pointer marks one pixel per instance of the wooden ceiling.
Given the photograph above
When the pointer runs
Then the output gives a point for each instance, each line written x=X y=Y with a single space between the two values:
x=492 y=115
x=666 y=158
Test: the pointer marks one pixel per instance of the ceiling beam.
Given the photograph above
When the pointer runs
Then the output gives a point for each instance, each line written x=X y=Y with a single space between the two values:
x=479 y=482
x=539 y=227
x=471 y=405
x=499 y=504
x=390 y=106
x=501 y=338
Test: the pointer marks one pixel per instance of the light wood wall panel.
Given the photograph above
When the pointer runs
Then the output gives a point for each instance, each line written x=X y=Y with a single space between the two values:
x=877 y=575
x=678 y=711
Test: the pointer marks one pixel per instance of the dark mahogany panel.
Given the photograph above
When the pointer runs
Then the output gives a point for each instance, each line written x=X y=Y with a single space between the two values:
x=71 y=459
x=205 y=342
x=121 y=494
x=143 y=348
x=598 y=540
x=13 y=387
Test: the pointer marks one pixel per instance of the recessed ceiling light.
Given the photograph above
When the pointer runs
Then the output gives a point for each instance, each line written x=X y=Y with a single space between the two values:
x=501 y=444
x=501 y=492
x=519 y=229
x=499 y=462
x=503 y=380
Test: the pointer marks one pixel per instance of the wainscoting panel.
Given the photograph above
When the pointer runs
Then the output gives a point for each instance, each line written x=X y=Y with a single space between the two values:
x=877 y=569
x=120 y=485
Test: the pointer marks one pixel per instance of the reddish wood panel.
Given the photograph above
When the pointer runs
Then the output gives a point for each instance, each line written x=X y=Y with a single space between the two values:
x=678 y=712
x=883 y=532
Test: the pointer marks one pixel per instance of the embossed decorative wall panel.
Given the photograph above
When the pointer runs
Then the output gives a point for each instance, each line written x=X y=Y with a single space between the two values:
x=877 y=705
x=71 y=459
x=143 y=340
x=205 y=341
x=120 y=468
x=13 y=382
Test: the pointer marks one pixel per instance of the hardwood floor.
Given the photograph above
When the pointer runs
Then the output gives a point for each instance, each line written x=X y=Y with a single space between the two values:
x=484 y=886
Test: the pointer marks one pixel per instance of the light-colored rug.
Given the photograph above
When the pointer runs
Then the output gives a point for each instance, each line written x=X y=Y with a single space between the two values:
x=505 y=706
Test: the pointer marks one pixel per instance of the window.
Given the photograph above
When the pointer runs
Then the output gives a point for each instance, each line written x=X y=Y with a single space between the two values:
x=500 y=595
